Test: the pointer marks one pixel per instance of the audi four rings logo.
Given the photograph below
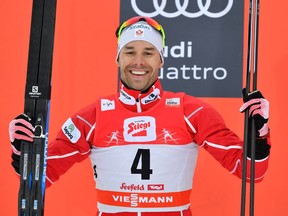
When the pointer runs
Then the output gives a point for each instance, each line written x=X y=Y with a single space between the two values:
x=182 y=9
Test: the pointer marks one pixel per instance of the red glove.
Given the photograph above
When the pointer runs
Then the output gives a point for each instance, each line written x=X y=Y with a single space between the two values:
x=20 y=129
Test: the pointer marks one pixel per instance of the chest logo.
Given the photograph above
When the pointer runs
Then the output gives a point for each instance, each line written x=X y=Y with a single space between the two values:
x=140 y=129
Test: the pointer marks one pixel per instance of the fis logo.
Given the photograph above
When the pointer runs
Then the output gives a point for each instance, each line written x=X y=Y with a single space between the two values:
x=139 y=129
x=71 y=131
x=107 y=105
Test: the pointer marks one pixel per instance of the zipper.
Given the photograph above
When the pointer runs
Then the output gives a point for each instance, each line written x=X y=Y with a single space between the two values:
x=138 y=104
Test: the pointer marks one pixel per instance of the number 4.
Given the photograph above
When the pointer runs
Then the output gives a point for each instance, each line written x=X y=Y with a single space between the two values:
x=145 y=170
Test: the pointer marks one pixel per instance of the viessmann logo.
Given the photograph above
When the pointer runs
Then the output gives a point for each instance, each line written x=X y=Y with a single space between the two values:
x=183 y=8
x=139 y=129
x=142 y=200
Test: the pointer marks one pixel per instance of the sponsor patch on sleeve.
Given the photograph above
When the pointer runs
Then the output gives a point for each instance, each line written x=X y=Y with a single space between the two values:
x=107 y=104
x=71 y=131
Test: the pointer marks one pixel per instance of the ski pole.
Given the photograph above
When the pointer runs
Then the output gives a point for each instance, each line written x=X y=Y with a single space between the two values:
x=249 y=126
x=254 y=87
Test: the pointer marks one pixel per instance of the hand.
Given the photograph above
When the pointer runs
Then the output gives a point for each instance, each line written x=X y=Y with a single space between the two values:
x=20 y=129
x=258 y=109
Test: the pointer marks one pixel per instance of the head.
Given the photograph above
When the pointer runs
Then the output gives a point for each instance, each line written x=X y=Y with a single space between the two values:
x=140 y=52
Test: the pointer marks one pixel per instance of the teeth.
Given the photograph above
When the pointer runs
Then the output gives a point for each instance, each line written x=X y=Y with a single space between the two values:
x=138 y=72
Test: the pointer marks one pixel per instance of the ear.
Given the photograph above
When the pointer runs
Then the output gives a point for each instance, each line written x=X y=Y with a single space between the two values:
x=117 y=62
x=162 y=63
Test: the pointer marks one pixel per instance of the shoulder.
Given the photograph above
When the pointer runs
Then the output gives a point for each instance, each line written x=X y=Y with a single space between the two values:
x=187 y=100
x=194 y=105
x=92 y=108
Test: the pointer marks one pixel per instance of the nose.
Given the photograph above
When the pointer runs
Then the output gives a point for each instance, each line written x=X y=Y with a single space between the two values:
x=139 y=60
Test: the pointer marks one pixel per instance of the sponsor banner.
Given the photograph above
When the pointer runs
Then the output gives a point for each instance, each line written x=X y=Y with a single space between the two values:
x=204 y=43
x=143 y=200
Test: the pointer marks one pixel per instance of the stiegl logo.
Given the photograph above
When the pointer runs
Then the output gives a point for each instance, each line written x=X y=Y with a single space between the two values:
x=139 y=129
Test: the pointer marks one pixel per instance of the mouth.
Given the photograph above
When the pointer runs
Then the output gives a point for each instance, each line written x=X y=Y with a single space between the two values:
x=138 y=73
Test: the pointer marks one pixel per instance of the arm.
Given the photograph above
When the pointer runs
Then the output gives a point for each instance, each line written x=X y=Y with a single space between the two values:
x=72 y=143
x=210 y=132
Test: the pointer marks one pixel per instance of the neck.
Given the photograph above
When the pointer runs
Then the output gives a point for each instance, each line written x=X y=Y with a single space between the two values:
x=139 y=101
x=141 y=91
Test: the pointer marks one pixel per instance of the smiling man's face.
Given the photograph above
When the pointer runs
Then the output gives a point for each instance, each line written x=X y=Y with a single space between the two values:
x=139 y=63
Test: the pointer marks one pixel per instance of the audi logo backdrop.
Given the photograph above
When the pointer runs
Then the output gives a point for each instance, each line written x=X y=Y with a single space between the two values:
x=204 y=45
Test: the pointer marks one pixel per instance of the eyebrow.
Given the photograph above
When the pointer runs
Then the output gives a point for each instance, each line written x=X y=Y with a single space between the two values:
x=132 y=47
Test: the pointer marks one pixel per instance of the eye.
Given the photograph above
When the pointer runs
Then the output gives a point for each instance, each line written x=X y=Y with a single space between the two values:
x=148 y=53
x=129 y=52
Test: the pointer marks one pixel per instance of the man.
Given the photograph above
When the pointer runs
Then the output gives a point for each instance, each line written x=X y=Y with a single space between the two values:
x=143 y=142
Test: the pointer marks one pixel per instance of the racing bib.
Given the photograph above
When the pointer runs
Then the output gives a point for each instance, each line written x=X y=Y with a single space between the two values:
x=144 y=177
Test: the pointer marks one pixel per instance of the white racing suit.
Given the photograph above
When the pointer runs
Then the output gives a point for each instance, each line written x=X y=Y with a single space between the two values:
x=143 y=149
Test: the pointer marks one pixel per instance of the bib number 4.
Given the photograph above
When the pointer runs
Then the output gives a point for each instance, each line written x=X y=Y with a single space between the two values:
x=141 y=164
